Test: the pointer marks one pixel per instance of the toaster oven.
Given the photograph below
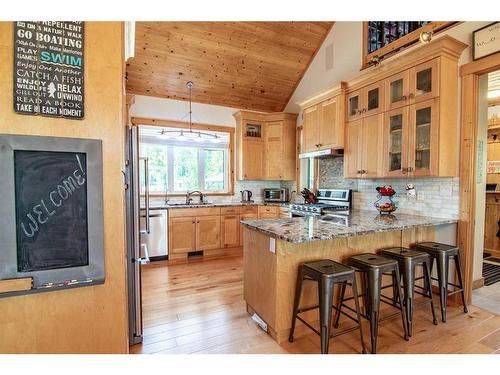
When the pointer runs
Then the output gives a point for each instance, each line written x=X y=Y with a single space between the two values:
x=276 y=195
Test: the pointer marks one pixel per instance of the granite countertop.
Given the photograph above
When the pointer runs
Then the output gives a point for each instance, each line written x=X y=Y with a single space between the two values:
x=306 y=229
x=214 y=204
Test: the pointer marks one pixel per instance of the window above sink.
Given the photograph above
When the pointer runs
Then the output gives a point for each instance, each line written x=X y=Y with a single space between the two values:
x=180 y=162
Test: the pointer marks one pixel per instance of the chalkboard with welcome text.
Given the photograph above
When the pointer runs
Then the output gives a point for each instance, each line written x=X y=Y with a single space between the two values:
x=51 y=212
x=49 y=68
x=51 y=209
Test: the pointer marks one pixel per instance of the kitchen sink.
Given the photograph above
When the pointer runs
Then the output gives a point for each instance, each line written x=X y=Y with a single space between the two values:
x=190 y=204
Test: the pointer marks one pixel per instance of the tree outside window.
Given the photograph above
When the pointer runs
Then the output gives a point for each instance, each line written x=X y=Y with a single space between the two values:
x=177 y=169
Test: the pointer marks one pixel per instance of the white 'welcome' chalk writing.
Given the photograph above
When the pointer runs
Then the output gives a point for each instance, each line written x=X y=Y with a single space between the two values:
x=40 y=213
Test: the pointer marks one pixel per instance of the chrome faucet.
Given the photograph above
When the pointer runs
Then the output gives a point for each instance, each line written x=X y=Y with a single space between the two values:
x=189 y=199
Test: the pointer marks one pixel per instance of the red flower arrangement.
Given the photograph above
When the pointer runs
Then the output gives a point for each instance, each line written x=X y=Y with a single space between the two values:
x=386 y=191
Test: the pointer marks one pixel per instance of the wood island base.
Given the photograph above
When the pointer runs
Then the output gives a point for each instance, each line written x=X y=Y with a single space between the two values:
x=270 y=272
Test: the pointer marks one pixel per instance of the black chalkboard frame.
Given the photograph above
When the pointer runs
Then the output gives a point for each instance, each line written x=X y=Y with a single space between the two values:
x=62 y=278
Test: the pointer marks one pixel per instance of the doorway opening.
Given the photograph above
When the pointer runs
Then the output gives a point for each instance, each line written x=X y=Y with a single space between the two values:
x=486 y=270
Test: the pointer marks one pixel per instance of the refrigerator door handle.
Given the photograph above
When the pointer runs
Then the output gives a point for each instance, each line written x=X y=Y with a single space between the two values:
x=145 y=258
x=146 y=194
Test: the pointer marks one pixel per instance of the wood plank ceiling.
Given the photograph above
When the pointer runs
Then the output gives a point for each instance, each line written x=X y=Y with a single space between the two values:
x=248 y=65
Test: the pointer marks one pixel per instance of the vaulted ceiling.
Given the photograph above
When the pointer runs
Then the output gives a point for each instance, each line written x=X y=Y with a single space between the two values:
x=248 y=65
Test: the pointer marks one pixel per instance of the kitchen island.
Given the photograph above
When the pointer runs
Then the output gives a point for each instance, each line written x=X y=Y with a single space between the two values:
x=273 y=250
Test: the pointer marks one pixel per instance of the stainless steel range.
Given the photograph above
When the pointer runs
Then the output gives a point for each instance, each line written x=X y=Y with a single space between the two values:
x=330 y=201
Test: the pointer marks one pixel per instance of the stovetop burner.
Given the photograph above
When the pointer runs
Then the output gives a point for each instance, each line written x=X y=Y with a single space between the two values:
x=329 y=200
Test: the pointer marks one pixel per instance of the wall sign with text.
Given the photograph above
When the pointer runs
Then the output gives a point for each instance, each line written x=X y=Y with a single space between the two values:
x=49 y=69
x=486 y=41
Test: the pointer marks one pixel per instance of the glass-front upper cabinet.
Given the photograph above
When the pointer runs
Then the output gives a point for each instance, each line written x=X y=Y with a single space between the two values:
x=396 y=88
x=422 y=141
x=366 y=101
x=374 y=97
x=354 y=105
x=253 y=130
x=395 y=139
x=424 y=82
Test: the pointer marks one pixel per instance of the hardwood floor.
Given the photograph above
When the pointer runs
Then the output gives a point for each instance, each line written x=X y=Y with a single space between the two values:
x=198 y=307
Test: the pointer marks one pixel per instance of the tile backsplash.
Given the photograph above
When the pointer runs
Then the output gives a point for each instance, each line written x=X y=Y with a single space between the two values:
x=437 y=197
x=255 y=187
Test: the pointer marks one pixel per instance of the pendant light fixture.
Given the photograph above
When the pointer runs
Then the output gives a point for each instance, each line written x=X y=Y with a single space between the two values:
x=190 y=135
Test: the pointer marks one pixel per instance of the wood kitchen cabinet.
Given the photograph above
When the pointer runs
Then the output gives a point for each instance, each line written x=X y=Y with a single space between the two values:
x=193 y=229
x=413 y=85
x=366 y=101
x=265 y=146
x=417 y=97
x=253 y=167
x=423 y=143
x=323 y=123
x=491 y=227
x=269 y=212
x=230 y=230
x=395 y=135
x=280 y=153
x=213 y=230
x=182 y=234
x=188 y=234
x=411 y=141
x=208 y=233
x=310 y=129
x=363 y=151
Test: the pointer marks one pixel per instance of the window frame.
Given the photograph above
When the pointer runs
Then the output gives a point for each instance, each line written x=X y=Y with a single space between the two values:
x=201 y=170
x=307 y=176
x=229 y=160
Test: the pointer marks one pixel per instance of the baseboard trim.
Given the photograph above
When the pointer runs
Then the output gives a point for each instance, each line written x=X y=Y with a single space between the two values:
x=479 y=283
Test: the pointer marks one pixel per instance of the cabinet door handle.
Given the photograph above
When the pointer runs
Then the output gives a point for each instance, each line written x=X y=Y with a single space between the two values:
x=410 y=169
x=404 y=170
x=404 y=97
x=319 y=145
x=364 y=110
x=194 y=221
x=363 y=171
x=411 y=96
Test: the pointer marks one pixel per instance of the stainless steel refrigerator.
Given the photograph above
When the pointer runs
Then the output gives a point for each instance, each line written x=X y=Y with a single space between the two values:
x=137 y=250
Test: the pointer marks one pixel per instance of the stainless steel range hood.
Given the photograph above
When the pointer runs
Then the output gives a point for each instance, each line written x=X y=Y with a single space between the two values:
x=322 y=153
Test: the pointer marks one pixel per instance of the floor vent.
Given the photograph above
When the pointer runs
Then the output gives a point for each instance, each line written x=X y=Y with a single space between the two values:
x=195 y=254
x=491 y=271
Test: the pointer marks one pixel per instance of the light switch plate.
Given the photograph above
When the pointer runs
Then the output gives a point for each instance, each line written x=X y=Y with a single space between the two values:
x=272 y=245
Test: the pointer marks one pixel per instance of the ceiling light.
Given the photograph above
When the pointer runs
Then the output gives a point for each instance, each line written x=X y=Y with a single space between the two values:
x=184 y=135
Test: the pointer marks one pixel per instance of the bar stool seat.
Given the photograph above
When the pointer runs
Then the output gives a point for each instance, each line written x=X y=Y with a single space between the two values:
x=443 y=253
x=373 y=267
x=326 y=273
x=408 y=260
x=327 y=268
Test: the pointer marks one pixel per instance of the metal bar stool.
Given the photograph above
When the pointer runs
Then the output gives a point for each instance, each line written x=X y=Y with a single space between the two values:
x=326 y=273
x=408 y=260
x=442 y=253
x=373 y=267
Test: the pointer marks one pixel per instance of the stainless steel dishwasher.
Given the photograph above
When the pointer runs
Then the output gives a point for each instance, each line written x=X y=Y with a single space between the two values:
x=156 y=240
